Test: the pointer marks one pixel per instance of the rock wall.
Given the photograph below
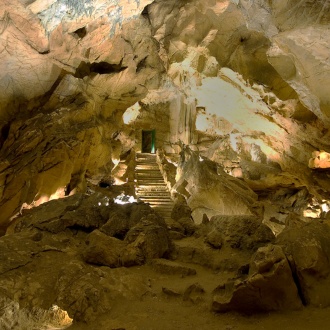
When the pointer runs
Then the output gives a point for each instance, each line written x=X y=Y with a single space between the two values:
x=66 y=123
x=243 y=82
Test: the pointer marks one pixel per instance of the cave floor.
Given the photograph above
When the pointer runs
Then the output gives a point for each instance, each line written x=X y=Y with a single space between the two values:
x=160 y=311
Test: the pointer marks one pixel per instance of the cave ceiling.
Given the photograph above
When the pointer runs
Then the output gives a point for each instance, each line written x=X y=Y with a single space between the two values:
x=238 y=80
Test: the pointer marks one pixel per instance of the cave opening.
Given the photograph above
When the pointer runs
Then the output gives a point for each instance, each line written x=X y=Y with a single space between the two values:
x=149 y=141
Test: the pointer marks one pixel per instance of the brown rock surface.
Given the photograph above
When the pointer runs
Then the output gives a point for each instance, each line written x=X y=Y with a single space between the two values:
x=307 y=249
x=208 y=190
x=87 y=280
x=239 y=87
x=269 y=286
x=213 y=75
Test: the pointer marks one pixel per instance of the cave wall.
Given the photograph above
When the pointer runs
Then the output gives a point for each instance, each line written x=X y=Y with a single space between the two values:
x=242 y=82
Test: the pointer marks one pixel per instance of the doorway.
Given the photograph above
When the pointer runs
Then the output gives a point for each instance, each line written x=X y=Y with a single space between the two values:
x=149 y=141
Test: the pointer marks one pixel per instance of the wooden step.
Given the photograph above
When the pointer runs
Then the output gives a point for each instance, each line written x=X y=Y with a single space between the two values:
x=150 y=186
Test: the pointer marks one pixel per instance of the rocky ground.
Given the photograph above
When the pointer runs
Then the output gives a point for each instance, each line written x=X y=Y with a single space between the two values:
x=111 y=266
x=237 y=92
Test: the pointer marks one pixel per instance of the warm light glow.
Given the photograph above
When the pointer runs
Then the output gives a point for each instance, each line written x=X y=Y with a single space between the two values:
x=124 y=199
x=222 y=98
x=230 y=105
x=58 y=318
x=315 y=208
x=15 y=316
x=309 y=213
x=321 y=159
x=131 y=113
x=104 y=201
x=60 y=193
x=325 y=206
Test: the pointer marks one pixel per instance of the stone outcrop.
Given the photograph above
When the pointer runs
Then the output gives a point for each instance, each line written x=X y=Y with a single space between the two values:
x=307 y=248
x=213 y=75
x=238 y=232
x=269 y=286
x=91 y=244
x=237 y=93
x=224 y=243
x=68 y=236
x=209 y=190
x=14 y=317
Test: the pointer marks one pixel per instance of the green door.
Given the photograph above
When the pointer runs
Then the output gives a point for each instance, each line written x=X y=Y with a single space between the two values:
x=149 y=141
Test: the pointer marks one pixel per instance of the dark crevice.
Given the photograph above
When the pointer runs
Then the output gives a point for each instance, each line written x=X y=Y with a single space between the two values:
x=47 y=95
x=75 y=228
x=297 y=283
x=4 y=133
x=23 y=109
x=86 y=69
x=67 y=190
x=105 y=67
x=24 y=263
x=121 y=235
x=141 y=64
x=44 y=52
x=104 y=184
x=81 y=33
x=244 y=270
x=145 y=12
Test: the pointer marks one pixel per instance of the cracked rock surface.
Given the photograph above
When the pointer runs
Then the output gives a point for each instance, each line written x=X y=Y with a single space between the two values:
x=236 y=92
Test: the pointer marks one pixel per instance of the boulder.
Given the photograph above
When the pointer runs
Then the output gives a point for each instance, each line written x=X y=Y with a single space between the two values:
x=174 y=225
x=214 y=239
x=237 y=232
x=269 y=286
x=180 y=210
x=150 y=238
x=138 y=211
x=307 y=247
x=82 y=211
x=124 y=217
x=88 y=292
x=103 y=250
x=188 y=225
x=117 y=225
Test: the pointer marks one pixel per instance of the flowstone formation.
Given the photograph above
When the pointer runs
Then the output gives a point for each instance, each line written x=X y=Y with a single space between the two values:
x=233 y=97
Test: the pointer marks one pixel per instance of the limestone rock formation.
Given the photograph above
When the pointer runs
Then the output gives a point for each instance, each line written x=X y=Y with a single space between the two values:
x=269 y=286
x=307 y=249
x=14 y=317
x=239 y=232
x=246 y=104
x=224 y=243
x=234 y=96
x=91 y=244
x=320 y=159
x=209 y=190
x=65 y=236
x=68 y=125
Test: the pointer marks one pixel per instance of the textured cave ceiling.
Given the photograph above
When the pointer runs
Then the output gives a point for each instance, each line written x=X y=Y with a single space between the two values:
x=239 y=80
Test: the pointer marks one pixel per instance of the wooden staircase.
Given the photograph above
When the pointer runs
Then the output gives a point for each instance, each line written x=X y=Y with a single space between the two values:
x=150 y=186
